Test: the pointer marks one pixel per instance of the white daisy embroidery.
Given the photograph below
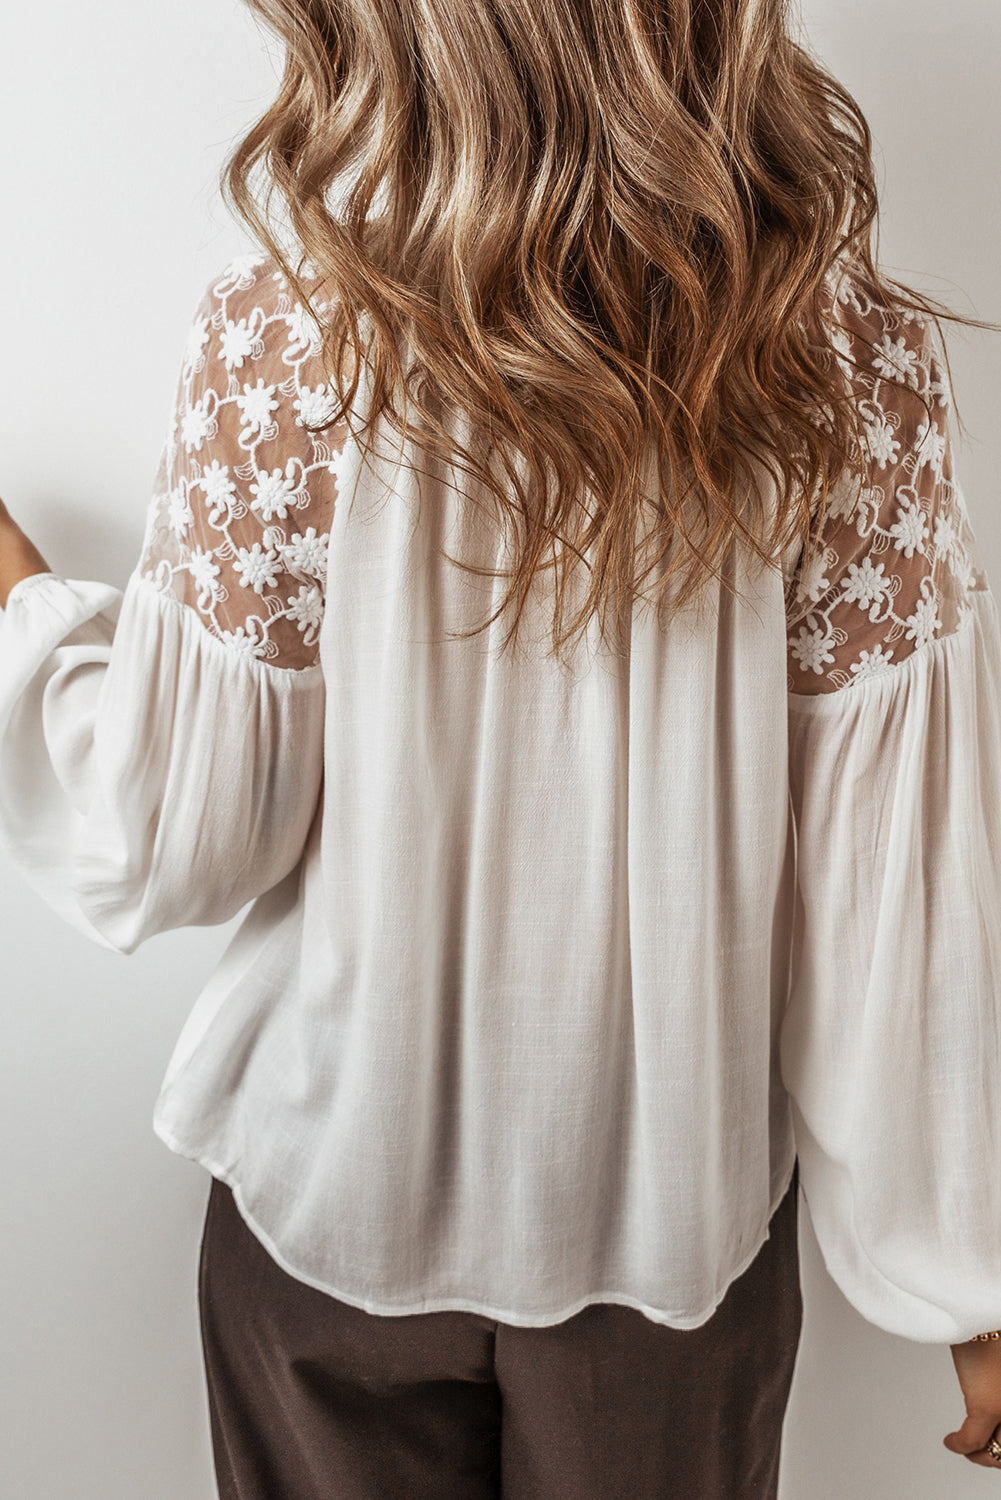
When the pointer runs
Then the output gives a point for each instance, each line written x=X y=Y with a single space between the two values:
x=303 y=333
x=910 y=528
x=920 y=627
x=237 y=343
x=313 y=406
x=179 y=513
x=273 y=494
x=197 y=424
x=256 y=405
x=258 y=569
x=872 y=663
x=864 y=584
x=218 y=488
x=244 y=641
x=813 y=582
x=812 y=649
x=197 y=339
x=893 y=359
x=308 y=553
x=883 y=445
x=306 y=609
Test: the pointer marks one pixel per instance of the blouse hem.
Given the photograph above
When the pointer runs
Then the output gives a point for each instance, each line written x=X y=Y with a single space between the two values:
x=458 y=1303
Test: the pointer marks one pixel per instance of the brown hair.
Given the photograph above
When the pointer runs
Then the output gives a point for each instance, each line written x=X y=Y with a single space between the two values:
x=599 y=220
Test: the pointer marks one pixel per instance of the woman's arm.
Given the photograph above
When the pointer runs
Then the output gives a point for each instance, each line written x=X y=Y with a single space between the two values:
x=19 y=557
x=161 y=745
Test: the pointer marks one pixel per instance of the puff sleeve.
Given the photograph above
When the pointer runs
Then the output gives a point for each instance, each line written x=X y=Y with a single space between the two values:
x=161 y=746
x=891 y=1040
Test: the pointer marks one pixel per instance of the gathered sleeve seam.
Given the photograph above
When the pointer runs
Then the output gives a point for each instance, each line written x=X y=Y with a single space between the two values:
x=874 y=683
x=296 y=678
x=24 y=586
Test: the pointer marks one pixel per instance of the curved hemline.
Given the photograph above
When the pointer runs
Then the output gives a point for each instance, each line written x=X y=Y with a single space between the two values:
x=681 y=1321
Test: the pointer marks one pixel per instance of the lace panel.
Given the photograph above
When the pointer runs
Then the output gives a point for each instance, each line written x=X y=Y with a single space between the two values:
x=239 y=524
x=896 y=561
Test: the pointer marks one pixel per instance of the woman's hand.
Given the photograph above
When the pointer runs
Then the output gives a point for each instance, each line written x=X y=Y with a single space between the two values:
x=978 y=1365
x=19 y=557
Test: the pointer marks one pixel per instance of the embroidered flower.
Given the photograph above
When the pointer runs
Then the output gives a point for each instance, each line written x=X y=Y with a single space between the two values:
x=308 y=553
x=923 y=623
x=197 y=424
x=218 y=488
x=258 y=569
x=938 y=390
x=812 y=582
x=273 y=494
x=930 y=447
x=811 y=649
x=894 y=360
x=946 y=535
x=910 y=529
x=842 y=344
x=179 y=513
x=338 y=467
x=872 y=663
x=864 y=584
x=256 y=405
x=237 y=343
x=303 y=333
x=244 y=642
x=883 y=446
x=205 y=571
x=306 y=609
x=313 y=406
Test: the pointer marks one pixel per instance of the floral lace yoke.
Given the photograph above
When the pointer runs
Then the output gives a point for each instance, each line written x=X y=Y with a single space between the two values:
x=898 y=559
x=239 y=525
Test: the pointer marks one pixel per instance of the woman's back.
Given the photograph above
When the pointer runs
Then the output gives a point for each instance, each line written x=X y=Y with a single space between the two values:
x=533 y=1005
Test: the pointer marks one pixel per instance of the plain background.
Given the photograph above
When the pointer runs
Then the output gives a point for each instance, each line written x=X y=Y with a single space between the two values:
x=116 y=119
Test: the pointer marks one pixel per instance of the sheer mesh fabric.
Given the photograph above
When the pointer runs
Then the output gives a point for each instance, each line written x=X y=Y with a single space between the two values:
x=239 y=524
x=898 y=558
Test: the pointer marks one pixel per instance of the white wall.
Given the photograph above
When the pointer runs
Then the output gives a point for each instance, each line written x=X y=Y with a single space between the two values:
x=115 y=119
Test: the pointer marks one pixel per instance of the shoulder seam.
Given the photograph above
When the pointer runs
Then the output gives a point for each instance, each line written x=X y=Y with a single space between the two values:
x=297 y=676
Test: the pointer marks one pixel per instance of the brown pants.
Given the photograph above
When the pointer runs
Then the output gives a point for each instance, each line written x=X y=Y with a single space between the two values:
x=312 y=1399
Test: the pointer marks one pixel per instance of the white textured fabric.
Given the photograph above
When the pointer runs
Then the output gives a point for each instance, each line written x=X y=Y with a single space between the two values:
x=547 y=976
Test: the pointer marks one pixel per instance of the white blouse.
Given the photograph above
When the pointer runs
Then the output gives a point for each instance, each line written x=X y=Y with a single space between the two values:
x=546 y=977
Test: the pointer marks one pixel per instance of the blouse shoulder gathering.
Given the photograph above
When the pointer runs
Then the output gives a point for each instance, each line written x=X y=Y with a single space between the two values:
x=897 y=560
x=239 y=525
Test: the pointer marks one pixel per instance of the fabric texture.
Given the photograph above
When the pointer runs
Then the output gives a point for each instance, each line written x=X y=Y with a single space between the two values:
x=309 y=1397
x=545 y=976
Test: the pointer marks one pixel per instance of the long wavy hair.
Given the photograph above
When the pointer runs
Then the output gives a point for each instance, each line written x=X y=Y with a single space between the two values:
x=600 y=228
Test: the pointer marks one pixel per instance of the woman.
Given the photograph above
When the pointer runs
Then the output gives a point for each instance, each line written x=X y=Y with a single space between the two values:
x=580 y=931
